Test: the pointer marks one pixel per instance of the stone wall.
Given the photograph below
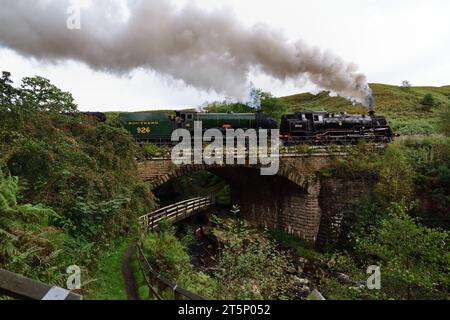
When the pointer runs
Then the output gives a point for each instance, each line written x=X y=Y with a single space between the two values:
x=337 y=197
x=275 y=202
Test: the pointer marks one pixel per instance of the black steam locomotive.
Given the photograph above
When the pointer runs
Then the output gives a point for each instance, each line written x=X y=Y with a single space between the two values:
x=341 y=128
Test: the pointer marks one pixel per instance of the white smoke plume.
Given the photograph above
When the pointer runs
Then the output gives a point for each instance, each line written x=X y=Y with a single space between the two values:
x=210 y=50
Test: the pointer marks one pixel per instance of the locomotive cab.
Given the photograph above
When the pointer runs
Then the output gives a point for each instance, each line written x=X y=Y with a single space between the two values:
x=185 y=120
x=300 y=124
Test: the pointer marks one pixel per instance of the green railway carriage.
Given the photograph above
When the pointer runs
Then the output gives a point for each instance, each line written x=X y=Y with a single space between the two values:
x=157 y=127
x=224 y=121
x=217 y=120
x=232 y=120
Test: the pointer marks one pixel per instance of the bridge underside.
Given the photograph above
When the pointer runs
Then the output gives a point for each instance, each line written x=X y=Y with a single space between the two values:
x=274 y=201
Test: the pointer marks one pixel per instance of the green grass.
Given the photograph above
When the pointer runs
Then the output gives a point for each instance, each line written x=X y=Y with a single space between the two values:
x=141 y=284
x=300 y=246
x=108 y=282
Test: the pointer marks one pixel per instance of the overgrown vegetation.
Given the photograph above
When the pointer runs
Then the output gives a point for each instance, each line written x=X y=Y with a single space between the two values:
x=85 y=172
x=29 y=244
x=413 y=259
x=402 y=226
x=165 y=251
x=412 y=168
x=249 y=266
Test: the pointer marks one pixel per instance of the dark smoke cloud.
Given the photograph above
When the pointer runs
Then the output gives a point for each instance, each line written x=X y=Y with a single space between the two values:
x=207 y=50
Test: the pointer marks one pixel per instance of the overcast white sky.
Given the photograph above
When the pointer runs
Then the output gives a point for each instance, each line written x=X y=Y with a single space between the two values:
x=390 y=41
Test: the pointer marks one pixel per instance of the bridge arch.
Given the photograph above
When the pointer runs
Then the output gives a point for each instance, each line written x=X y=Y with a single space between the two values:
x=169 y=171
x=287 y=200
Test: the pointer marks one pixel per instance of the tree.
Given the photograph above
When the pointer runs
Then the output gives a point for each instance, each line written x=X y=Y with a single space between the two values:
x=40 y=93
x=271 y=106
x=428 y=102
x=28 y=102
x=7 y=91
x=406 y=85
x=395 y=177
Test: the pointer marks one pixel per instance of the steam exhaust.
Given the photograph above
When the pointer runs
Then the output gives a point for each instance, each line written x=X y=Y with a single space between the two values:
x=209 y=50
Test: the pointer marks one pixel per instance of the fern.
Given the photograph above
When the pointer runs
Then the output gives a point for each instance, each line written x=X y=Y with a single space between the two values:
x=27 y=244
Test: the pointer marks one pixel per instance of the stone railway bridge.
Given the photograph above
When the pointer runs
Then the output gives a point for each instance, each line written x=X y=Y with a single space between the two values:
x=299 y=199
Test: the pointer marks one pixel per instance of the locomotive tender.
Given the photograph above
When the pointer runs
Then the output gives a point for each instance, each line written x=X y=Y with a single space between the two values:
x=310 y=127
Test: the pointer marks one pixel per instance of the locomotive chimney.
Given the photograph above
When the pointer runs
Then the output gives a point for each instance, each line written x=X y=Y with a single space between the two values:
x=371 y=112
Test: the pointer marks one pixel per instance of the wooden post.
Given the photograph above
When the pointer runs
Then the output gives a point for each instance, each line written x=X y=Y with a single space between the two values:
x=20 y=287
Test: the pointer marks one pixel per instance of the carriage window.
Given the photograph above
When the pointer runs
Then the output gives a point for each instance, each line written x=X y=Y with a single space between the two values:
x=316 y=118
x=189 y=116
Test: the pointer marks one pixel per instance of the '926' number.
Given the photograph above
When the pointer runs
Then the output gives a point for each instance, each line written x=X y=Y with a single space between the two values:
x=143 y=130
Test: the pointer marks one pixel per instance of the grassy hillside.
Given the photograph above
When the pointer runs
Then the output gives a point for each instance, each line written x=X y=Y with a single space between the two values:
x=402 y=106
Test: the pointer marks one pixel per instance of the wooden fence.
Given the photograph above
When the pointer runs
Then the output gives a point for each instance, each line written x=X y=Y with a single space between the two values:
x=174 y=213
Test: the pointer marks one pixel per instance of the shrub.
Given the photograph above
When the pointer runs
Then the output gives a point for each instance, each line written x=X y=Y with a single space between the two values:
x=415 y=127
x=414 y=259
x=395 y=177
x=28 y=244
x=429 y=157
x=170 y=257
x=428 y=102
x=252 y=267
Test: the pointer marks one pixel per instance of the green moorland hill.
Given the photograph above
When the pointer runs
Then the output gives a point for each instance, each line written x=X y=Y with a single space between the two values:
x=407 y=109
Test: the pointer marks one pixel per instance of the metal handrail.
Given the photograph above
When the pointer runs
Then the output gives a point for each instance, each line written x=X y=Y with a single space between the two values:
x=156 y=282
